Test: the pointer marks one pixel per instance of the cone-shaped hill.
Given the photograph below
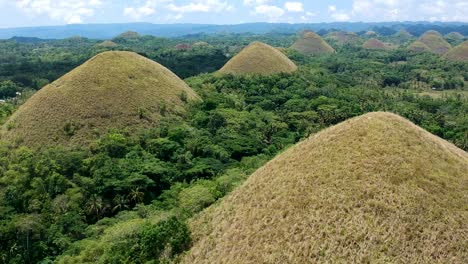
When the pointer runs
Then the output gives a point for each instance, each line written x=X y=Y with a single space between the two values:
x=418 y=46
x=374 y=44
x=436 y=43
x=343 y=37
x=129 y=35
x=459 y=53
x=455 y=36
x=259 y=58
x=312 y=44
x=114 y=89
x=107 y=44
x=374 y=189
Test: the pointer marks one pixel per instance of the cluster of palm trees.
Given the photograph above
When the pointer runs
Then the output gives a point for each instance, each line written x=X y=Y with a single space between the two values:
x=97 y=206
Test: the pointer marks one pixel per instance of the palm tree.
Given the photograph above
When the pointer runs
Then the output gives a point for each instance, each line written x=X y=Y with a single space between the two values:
x=95 y=205
x=120 y=203
x=136 y=196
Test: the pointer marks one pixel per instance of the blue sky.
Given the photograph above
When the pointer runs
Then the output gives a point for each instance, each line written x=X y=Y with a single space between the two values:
x=17 y=13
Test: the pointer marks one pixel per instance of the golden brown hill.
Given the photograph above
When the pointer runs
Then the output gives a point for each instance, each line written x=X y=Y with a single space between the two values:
x=129 y=35
x=418 y=46
x=370 y=33
x=374 y=189
x=107 y=44
x=455 y=36
x=459 y=53
x=343 y=37
x=436 y=43
x=114 y=89
x=259 y=58
x=374 y=44
x=312 y=44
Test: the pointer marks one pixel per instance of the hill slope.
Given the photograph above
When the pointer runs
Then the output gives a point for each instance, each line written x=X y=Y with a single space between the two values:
x=259 y=58
x=312 y=44
x=418 y=46
x=374 y=44
x=435 y=42
x=111 y=90
x=343 y=37
x=459 y=53
x=374 y=189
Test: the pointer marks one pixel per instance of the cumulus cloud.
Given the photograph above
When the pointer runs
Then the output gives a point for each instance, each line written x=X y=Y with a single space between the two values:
x=294 y=6
x=401 y=10
x=269 y=11
x=338 y=15
x=70 y=11
x=175 y=10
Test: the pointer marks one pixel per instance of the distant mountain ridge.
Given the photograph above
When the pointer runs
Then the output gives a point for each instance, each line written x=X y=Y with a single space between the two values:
x=107 y=31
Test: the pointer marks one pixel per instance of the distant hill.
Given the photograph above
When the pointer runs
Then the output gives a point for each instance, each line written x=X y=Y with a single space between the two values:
x=418 y=46
x=373 y=189
x=259 y=58
x=109 y=31
x=436 y=43
x=343 y=37
x=312 y=44
x=114 y=89
x=459 y=53
x=375 y=44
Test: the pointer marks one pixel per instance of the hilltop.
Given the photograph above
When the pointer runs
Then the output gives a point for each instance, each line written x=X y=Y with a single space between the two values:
x=114 y=89
x=418 y=46
x=107 y=44
x=373 y=189
x=312 y=44
x=129 y=35
x=374 y=44
x=259 y=58
x=343 y=37
x=459 y=53
x=455 y=36
x=435 y=42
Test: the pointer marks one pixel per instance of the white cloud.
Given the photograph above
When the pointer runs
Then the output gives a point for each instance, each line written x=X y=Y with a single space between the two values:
x=294 y=6
x=270 y=11
x=200 y=6
x=71 y=11
x=340 y=15
x=255 y=2
x=332 y=8
x=411 y=10
x=136 y=13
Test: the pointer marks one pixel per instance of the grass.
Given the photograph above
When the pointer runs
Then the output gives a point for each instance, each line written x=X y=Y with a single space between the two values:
x=459 y=53
x=115 y=89
x=455 y=36
x=373 y=189
x=129 y=35
x=436 y=43
x=312 y=44
x=259 y=58
x=375 y=44
x=343 y=37
x=418 y=46
x=108 y=44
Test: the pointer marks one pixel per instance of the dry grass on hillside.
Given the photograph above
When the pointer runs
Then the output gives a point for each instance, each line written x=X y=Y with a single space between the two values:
x=455 y=36
x=375 y=44
x=418 y=46
x=459 y=53
x=129 y=35
x=259 y=58
x=374 y=189
x=312 y=44
x=343 y=37
x=112 y=90
x=107 y=44
x=435 y=42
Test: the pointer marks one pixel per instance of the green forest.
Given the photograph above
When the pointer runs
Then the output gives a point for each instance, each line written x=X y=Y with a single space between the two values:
x=126 y=197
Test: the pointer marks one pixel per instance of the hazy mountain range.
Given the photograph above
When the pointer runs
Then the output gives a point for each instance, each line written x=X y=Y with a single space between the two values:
x=106 y=31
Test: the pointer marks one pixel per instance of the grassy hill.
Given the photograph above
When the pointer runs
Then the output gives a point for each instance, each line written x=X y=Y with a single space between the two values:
x=459 y=53
x=418 y=46
x=343 y=37
x=259 y=58
x=373 y=189
x=107 y=44
x=129 y=35
x=436 y=43
x=312 y=44
x=455 y=36
x=111 y=90
x=374 y=44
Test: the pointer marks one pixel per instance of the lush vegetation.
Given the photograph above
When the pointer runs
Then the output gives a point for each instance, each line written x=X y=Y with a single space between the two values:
x=104 y=202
